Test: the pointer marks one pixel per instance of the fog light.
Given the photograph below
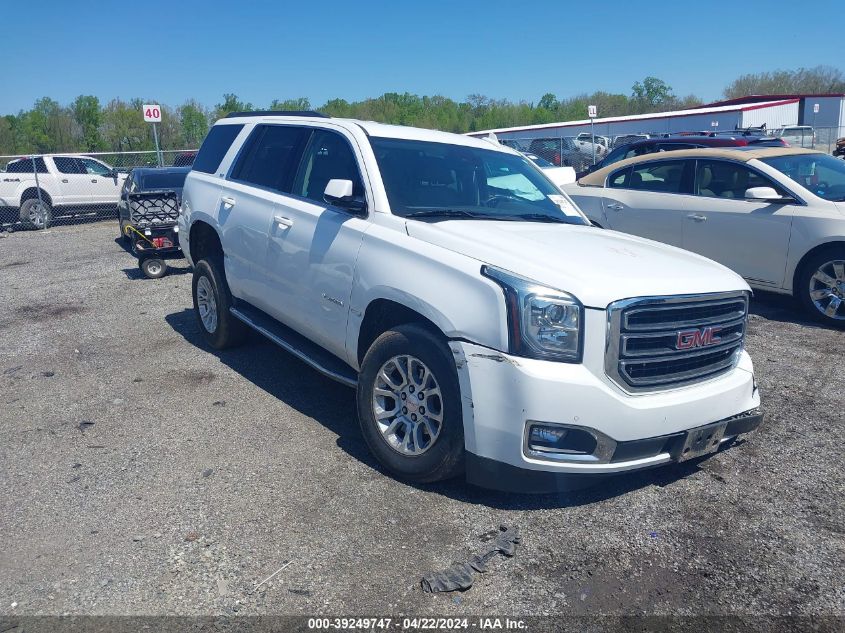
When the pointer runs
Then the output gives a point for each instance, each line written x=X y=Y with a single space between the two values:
x=545 y=438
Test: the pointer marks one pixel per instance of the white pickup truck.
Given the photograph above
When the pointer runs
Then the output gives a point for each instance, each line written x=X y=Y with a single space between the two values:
x=488 y=328
x=66 y=183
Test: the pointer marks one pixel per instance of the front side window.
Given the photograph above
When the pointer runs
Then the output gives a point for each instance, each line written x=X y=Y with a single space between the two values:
x=270 y=156
x=327 y=157
x=665 y=176
x=423 y=178
x=821 y=174
x=727 y=179
x=95 y=167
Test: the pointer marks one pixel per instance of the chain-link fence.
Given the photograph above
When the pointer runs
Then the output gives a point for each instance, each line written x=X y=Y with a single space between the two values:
x=37 y=191
x=585 y=149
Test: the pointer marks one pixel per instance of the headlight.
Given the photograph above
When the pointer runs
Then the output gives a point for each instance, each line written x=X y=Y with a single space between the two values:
x=542 y=322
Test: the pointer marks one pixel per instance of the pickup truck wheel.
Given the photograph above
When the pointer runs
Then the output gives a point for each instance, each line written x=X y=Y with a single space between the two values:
x=821 y=286
x=409 y=405
x=212 y=301
x=36 y=213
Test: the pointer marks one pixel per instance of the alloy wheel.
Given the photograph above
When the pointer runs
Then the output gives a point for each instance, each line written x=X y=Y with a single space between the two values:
x=407 y=405
x=206 y=305
x=827 y=289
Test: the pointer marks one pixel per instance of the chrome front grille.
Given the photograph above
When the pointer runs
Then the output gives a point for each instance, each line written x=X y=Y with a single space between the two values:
x=657 y=343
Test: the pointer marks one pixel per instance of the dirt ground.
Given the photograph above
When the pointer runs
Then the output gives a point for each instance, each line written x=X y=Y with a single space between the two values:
x=144 y=474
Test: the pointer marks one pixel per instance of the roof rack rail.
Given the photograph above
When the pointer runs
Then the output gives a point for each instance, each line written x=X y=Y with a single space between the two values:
x=305 y=113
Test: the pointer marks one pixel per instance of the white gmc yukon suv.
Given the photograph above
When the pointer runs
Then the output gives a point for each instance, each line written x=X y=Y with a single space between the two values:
x=487 y=326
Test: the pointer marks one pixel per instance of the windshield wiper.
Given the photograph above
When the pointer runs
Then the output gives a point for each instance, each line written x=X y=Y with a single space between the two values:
x=448 y=213
x=540 y=217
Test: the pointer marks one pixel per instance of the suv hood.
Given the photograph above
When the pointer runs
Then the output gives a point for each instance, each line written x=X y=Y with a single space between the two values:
x=595 y=265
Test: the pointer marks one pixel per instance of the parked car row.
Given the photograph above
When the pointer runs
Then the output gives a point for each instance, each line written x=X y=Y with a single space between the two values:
x=776 y=216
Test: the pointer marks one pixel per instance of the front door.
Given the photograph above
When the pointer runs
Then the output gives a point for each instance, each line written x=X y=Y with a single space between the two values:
x=104 y=182
x=313 y=246
x=750 y=237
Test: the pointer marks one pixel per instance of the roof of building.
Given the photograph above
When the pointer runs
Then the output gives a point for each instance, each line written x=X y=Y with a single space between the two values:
x=741 y=107
x=742 y=154
x=758 y=98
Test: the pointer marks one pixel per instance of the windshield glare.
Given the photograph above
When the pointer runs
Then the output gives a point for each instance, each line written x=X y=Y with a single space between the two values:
x=820 y=174
x=421 y=176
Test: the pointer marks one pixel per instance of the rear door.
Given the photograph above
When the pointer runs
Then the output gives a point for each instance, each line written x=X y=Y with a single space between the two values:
x=647 y=199
x=74 y=183
x=259 y=179
x=749 y=236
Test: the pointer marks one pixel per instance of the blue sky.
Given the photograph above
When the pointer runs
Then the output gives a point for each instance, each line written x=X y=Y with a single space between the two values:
x=179 y=49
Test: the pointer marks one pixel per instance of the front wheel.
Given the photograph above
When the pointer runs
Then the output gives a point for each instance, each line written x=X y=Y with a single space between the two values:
x=821 y=286
x=212 y=301
x=409 y=405
x=36 y=213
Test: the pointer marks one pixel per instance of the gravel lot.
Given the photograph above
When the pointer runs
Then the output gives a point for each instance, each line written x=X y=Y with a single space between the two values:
x=143 y=474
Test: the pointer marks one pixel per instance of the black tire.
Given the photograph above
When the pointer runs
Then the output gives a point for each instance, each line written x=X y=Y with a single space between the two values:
x=36 y=214
x=153 y=267
x=444 y=458
x=823 y=260
x=227 y=331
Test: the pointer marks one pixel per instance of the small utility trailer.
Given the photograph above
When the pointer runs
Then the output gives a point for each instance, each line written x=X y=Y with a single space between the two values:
x=147 y=212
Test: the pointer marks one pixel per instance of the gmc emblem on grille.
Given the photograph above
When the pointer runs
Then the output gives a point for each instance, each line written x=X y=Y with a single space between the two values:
x=689 y=339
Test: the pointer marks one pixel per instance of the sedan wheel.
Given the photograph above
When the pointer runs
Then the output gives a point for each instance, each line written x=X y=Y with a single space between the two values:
x=827 y=289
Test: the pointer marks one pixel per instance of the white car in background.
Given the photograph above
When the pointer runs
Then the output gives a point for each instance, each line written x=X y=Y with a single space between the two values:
x=797 y=135
x=35 y=188
x=774 y=215
x=558 y=175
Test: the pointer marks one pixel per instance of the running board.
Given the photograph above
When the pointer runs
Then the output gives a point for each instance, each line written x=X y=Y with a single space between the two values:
x=296 y=344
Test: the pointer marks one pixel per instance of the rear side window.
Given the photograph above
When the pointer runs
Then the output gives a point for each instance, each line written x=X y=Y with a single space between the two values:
x=270 y=156
x=665 y=176
x=24 y=166
x=69 y=165
x=215 y=146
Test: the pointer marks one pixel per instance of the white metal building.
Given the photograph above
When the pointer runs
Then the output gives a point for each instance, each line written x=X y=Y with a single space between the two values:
x=773 y=113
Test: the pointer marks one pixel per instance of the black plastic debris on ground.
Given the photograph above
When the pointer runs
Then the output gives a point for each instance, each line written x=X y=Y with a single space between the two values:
x=460 y=576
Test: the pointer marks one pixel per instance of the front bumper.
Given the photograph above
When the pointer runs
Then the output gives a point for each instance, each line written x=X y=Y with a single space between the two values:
x=502 y=394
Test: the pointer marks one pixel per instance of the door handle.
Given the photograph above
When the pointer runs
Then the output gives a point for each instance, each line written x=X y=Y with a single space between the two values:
x=228 y=201
x=697 y=217
x=64 y=180
x=93 y=180
x=283 y=221
x=616 y=206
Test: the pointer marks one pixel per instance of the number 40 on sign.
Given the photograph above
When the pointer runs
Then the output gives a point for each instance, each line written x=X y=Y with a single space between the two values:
x=152 y=113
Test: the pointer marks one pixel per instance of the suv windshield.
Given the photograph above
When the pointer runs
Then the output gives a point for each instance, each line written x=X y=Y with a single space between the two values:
x=425 y=179
x=819 y=173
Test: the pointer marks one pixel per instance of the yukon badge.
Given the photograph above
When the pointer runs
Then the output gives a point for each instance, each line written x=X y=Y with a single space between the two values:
x=704 y=337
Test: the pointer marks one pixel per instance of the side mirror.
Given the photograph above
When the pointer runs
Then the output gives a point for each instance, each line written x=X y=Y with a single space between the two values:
x=766 y=194
x=338 y=193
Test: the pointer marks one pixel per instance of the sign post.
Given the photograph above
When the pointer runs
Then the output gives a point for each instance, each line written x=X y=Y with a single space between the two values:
x=815 y=112
x=592 y=112
x=152 y=114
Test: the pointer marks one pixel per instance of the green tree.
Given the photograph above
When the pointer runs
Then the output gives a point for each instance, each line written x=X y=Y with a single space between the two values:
x=651 y=94
x=194 y=120
x=548 y=102
x=302 y=103
x=817 y=80
x=230 y=103
x=87 y=115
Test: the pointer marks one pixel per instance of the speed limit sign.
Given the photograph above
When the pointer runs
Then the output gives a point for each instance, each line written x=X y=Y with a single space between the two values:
x=152 y=113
